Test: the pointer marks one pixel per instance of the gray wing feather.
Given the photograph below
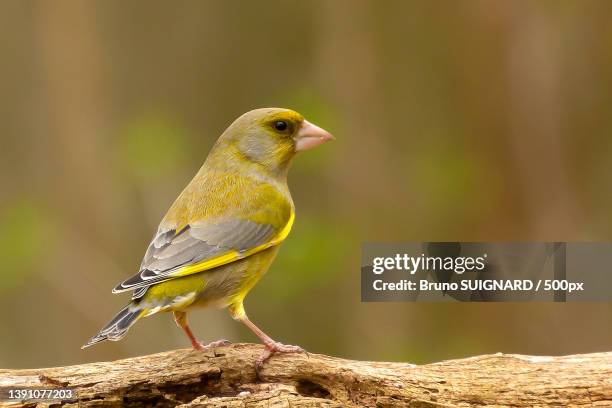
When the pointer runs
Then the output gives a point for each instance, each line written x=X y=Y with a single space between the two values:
x=197 y=242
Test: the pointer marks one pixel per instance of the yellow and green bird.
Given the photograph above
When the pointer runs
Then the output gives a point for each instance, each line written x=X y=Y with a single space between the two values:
x=223 y=231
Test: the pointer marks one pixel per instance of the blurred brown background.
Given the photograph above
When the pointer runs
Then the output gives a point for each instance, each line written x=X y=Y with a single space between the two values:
x=471 y=120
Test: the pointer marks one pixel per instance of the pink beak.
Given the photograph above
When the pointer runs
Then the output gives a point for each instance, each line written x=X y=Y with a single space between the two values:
x=309 y=136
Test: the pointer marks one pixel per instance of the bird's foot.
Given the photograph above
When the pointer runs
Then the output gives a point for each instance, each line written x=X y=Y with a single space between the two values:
x=218 y=343
x=275 y=347
x=213 y=344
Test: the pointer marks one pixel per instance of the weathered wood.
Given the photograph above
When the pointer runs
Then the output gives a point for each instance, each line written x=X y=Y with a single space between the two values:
x=226 y=377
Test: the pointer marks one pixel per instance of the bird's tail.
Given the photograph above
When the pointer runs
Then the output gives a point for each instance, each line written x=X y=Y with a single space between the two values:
x=119 y=325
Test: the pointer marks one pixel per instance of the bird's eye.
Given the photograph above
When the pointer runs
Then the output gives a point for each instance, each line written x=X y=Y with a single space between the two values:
x=281 y=125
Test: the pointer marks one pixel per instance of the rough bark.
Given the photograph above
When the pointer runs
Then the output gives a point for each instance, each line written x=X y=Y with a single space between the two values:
x=226 y=377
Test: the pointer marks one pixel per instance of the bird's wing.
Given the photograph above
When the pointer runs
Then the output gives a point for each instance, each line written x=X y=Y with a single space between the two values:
x=201 y=246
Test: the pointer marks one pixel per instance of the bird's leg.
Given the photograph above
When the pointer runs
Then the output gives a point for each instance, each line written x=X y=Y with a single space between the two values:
x=237 y=312
x=181 y=321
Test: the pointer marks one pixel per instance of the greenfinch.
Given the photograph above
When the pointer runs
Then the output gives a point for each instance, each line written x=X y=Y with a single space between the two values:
x=223 y=231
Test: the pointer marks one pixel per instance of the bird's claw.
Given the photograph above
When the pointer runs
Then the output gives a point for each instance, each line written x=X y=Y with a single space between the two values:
x=276 y=347
x=211 y=345
x=218 y=343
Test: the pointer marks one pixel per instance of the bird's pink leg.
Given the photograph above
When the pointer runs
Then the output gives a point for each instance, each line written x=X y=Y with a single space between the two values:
x=237 y=312
x=181 y=321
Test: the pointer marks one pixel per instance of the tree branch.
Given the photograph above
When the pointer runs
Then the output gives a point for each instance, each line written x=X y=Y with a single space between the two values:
x=226 y=377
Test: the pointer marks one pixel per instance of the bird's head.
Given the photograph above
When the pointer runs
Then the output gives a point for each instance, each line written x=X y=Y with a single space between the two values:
x=270 y=137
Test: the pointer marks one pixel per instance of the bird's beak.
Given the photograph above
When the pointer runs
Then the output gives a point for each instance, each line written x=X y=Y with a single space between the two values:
x=309 y=136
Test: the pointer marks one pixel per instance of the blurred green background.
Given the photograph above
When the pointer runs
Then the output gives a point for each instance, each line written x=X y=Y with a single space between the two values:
x=471 y=120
